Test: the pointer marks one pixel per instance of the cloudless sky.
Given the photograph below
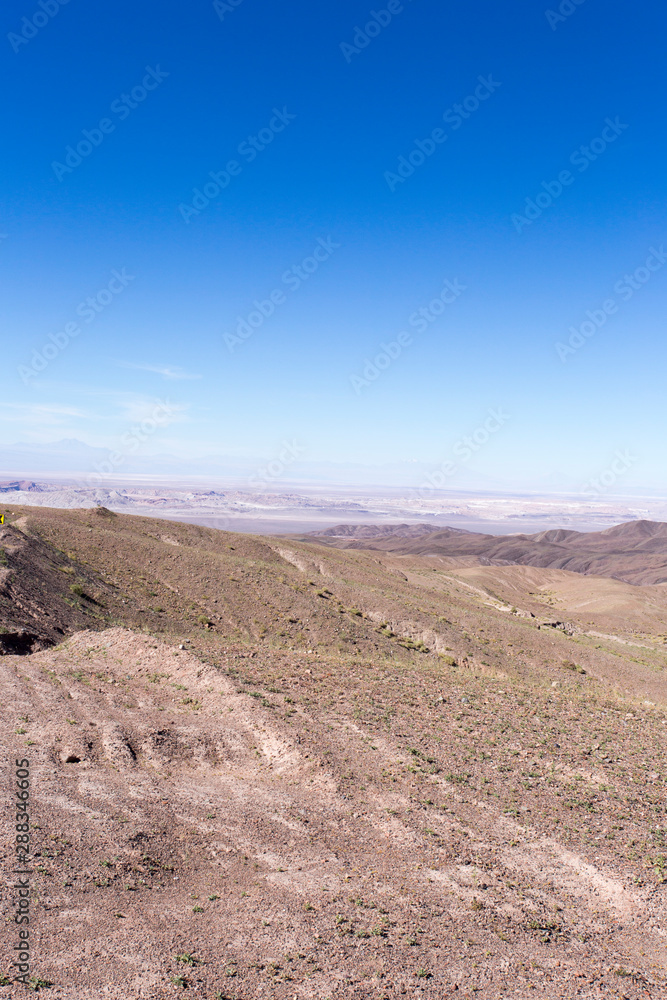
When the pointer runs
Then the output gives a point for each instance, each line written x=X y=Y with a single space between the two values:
x=220 y=73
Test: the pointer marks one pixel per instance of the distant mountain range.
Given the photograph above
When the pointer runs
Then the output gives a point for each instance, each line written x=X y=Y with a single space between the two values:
x=22 y=485
x=71 y=457
x=635 y=552
x=390 y=531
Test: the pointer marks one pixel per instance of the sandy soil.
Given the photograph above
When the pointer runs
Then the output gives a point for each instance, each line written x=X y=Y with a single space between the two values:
x=192 y=824
x=324 y=774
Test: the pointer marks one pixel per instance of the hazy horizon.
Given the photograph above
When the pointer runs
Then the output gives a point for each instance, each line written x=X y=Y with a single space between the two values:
x=70 y=459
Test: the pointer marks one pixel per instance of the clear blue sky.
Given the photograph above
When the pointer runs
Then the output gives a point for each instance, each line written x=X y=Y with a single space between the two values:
x=340 y=108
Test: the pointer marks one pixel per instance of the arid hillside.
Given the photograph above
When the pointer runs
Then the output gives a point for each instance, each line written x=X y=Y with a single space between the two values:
x=635 y=551
x=266 y=768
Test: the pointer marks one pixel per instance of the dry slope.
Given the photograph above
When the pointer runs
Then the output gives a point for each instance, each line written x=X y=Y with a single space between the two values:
x=635 y=552
x=349 y=783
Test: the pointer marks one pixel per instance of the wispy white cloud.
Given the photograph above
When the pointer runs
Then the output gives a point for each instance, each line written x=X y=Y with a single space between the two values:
x=107 y=416
x=39 y=413
x=167 y=371
x=111 y=405
x=136 y=408
x=41 y=422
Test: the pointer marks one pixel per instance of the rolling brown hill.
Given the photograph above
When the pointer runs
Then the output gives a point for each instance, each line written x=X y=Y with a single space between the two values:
x=44 y=594
x=264 y=768
x=635 y=552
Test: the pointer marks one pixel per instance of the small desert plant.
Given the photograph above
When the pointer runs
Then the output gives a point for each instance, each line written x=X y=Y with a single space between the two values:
x=573 y=666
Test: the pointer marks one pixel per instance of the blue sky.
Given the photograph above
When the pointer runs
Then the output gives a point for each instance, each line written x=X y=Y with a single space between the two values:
x=157 y=99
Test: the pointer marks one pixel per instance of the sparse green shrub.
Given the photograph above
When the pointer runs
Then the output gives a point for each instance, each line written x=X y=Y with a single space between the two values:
x=457 y=779
x=418 y=647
